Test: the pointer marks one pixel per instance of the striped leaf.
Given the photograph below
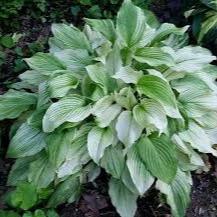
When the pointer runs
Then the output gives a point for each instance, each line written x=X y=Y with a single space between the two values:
x=130 y=24
x=26 y=142
x=98 y=140
x=69 y=109
x=13 y=103
x=159 y=156
x=159 y=90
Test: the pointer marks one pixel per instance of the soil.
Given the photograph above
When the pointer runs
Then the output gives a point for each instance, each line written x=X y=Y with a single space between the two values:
x=95 y=201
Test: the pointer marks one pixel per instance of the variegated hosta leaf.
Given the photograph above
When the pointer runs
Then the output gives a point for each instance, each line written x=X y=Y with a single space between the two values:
x=99 y=75
x=59 y=86
x=45 y=63
x=33 y=77
x=58 y=145
x=177 y=193
x=128 y=130
x=208 y=120
x=77 y=153
x=67 y=37
x=166 y=29
x=20 y=169
x=159 y=156
x=130 y=24
x=113 y=161
x=208 y=25
x=41 y=171
x=153 y=56
x=197 y=102
x=150 y=113
x=198 y=139
x=195 y=161
x=106 y=27
x=105 y=111
x=75 y=60
x=26 y=142
x=13 y=103
x=140 y=175
x=126 y=98
x=122 y=198
x=191 y=81
x=43 y=95
x=66 y=191
x=69 y=109
x=98 y=140
x=159 y=90
x=191 y=59
x=128 y=75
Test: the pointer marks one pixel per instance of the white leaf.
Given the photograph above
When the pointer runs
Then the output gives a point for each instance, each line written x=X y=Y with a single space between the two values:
x=98 y=140
x=128 y=75
x=139 y=174
x=128 y=130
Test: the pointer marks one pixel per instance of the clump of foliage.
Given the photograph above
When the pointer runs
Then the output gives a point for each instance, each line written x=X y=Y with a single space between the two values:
x=129 y=97
x=9 y=8
x=204 y=13
x=37 y=213
x=103 y=8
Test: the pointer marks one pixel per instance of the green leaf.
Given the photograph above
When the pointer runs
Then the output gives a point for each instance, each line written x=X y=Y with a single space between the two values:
x=75 y=60
x=69 y=109
x=150 y=113
x=106 y=27
x=128 y=75
x=19 y=171
x=130 y=24
x=153 y=56
x=159 y=90
x=44 y=63
x=4 y=213
x=68 y=37
x=105 y=111
x=113 y=161
x=41 y=171
x=26 y=142
x=24 y=197
x=13 y=103
x=59 y=86
x=159 y=156
x=139 y=174
x=58 y=145
x=122 y=198
x=177 y=193
x=66 y=190
x=98 y=140
x=128 y=130
x=7 y=41
x=39 y=213
x=33 y=77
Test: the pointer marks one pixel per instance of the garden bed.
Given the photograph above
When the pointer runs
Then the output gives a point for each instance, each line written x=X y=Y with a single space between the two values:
x=95 y=201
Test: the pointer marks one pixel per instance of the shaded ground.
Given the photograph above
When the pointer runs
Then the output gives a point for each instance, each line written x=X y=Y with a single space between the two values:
x=95 y=201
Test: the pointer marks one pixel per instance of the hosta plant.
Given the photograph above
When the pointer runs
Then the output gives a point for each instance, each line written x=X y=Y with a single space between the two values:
x=129 y=97
x=204 y=14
